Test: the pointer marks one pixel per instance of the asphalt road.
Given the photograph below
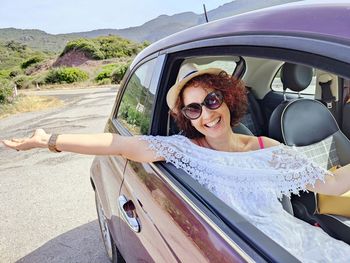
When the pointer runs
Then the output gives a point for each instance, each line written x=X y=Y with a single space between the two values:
x=47 y=209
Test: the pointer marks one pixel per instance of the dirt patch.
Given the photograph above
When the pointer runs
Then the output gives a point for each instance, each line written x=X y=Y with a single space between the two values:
x=40 y=67
x=71 y=59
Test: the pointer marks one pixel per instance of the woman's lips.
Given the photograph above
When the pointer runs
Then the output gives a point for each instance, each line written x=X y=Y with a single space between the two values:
x=213 y=123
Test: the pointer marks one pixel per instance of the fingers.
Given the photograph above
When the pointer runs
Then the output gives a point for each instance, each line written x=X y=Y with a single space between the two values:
x=25 y=143
x=10 y=143
x=20 y=140
x=14 y=144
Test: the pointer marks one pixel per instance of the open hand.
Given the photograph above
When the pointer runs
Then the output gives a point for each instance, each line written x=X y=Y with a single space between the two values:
x=39 y=139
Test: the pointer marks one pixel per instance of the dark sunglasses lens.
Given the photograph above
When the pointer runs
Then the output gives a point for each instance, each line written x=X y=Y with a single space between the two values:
x=192 y=111
x=213 y=100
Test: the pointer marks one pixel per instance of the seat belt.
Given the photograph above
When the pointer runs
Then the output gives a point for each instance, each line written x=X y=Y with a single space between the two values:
x=346 y=91
x=326 y=93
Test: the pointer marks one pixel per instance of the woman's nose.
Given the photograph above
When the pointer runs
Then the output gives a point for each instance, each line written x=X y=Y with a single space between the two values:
x=206 y=113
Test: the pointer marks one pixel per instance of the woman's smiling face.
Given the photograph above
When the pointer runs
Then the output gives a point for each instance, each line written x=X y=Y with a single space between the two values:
x=211 y=123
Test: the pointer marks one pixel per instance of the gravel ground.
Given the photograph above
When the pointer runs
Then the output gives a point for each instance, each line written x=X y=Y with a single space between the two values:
x=47 y=203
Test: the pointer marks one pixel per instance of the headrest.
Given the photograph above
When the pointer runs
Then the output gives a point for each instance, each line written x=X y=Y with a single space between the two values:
x=305 y=121
x=296 y=77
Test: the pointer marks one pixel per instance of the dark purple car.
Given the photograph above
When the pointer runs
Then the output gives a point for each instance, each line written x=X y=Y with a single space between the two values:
x=153 y=212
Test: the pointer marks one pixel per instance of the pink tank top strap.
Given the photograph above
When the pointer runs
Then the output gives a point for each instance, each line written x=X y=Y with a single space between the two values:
x=261 y=143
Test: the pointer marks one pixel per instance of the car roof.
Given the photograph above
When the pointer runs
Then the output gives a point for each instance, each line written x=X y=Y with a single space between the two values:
x=328 y=21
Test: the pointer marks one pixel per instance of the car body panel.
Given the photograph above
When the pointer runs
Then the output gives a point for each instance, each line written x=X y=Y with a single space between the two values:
x=107 y=174
x=171 y=230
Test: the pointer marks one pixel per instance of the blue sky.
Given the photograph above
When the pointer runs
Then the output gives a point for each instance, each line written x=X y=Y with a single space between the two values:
x=66 y=16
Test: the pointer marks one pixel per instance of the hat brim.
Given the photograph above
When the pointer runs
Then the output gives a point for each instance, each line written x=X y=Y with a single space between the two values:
x=175 y=90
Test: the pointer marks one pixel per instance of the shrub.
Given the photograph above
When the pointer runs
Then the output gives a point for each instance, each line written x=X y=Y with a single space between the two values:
x=39 y=79
x=23 y=82
x=106 y=72
x=15 y=46
x=144 y=127
x=124 y=110
x=134 y=117
x=118 y=73
x=103 y=75
x=105 y=47
x=116 y=47
x=5 y=73
x=88 y=47
x=31 y=61
x=66 y=75
x=15 y=72
x=104 y=82
x=5 y=90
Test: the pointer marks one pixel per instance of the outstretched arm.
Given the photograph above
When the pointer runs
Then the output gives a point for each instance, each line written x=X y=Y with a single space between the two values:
x=333 y=185
x=130 y=147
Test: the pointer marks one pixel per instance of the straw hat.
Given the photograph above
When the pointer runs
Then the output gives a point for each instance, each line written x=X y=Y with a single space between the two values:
x=186 y=73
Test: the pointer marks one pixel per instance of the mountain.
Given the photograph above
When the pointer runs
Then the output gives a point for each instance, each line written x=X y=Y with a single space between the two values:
x=152 y=30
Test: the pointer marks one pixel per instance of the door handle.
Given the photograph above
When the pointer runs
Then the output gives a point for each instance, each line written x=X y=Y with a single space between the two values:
x=127 y=210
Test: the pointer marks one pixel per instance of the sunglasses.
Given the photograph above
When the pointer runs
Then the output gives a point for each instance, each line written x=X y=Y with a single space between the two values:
x=212 y=101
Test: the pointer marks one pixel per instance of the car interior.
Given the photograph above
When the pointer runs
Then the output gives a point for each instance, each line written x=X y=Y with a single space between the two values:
x=300 y=106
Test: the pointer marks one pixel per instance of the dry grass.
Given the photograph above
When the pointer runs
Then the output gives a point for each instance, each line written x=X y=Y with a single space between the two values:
x=25 y=103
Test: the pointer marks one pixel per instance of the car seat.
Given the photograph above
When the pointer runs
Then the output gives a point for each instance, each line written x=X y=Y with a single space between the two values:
x=254 y=119
x=310 y=127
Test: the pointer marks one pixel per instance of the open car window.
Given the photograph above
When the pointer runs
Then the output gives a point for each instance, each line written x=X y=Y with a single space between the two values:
x=226 y=63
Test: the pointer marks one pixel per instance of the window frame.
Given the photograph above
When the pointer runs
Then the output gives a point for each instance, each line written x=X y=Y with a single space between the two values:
x=119 y=126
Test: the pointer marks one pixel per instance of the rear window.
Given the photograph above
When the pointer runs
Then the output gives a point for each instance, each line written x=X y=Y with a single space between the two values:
x=226 y=63
x=277 y=85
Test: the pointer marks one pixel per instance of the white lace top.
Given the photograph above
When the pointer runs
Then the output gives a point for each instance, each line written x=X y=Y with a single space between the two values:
x=251 y=183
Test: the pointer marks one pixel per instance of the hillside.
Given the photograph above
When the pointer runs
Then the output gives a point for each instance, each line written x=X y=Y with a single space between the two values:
x=36 y=39
x=13 y=54
x=87 y=61
x=152 y=30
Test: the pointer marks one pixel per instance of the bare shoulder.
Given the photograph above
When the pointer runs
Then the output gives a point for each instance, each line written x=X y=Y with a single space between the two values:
x=268 y=142
x=252 y=142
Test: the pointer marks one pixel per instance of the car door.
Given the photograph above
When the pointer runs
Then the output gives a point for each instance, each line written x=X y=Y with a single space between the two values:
x=159 y=224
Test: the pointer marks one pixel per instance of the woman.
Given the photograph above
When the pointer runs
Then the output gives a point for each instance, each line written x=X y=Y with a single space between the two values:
x=248 y=173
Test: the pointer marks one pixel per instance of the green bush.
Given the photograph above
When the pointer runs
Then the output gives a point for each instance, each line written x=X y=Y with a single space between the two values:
x=106 y=72
x=104 y=82
x=124 y=110
x=105 y=47
x=39 y=79
x=15 y=46
x=116 y=47
x=23 y=82
x=66 y=75
x=88 y=47
x=5 y=73
x=15 y=72
x=31 y=61
x=5 y=90
x=144 y=125
x=134 y=117
x=118 y=73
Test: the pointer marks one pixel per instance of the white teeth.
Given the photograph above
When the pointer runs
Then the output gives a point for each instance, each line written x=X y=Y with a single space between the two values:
x=213 y=123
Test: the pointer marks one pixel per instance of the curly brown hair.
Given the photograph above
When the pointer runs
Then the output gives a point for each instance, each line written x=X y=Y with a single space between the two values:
x=235 y=97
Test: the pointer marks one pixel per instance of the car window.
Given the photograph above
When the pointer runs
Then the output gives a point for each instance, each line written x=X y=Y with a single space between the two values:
x=136 y=105
x=278 y=86
x=227 y=63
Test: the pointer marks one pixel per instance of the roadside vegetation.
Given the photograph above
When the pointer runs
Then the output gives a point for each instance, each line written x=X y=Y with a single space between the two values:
x=83 y=62
x=24 y=103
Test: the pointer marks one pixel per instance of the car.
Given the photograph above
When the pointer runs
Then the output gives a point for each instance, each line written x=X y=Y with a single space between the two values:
x=295 y=61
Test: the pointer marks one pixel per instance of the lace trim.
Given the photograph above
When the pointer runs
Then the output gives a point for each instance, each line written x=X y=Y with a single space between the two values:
x=295 y=171
x=280 y=169
x=174 y=153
